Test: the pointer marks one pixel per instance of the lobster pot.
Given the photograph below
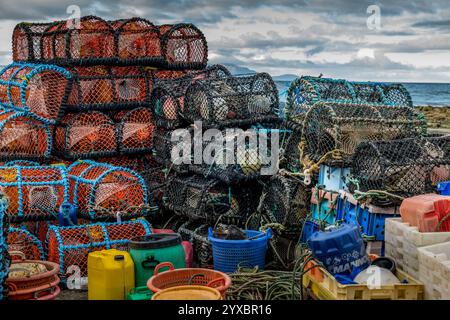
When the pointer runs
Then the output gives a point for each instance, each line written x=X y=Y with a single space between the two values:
x=286 y=201
x=405 y=167
x=161 y=75
x=4 y=256
x=34 y=193
x=135 y=131
x=173 y=148
x=197 y=197
x=35 y=88
x=70 y=246
x=282 y=252
x=197 y=233
x=108 y=88
x=100 y=191
x=290 y=137
x=24 y=137
x=183 y=47
x=168 y=95
x=26 y=41
x=22 y=240
x=304 y=92
x=85 y=42
x=232 y=100
x=331 y=131
x=85 y=135
x=235 y=155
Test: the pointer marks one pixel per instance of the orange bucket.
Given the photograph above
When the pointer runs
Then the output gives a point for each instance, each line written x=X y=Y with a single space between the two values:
x=188 y=293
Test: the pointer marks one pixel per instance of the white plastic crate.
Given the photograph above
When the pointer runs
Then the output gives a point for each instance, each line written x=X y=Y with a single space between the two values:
x=402 y=242
x=434 y=271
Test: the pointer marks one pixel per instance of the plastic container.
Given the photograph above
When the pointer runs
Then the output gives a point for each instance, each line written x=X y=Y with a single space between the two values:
x=333 y=178
x=324 y=205
x=110 y=275
x=308 y=229
x=444 y=188
x=340 y=249
x=434 y=270
x=229 y=255
x=189 y=276
x=322 y=285
x=149 y=251
x=188 y=293
x=426 y=212
x=140 y=293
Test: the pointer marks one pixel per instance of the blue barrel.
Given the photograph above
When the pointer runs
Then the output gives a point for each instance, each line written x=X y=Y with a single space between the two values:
x=228 y=255
x=340 y=249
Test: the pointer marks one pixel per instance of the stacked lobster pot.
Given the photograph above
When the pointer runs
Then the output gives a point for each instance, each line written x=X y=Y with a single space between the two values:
x=209 y=131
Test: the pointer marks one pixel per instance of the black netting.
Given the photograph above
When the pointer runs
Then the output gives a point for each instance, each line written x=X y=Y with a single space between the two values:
x=5 y=259
x=26 y=41
x=232 y=101
x=304 y=92
x=164 y=143
x=197 y=233
x=404 y=167
x=209 y=200
x=168 y=95
x=331 y=131
x=290 y=136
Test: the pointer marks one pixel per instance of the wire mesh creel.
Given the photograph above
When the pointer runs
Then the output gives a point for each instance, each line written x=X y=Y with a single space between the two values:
x=331 y=131
x=70 y=246
x=232 y=101
x=101 y=191
x=405 y=167
x=34 y=192
x=197 y=233
x=304 y=92
x=168 y=95
x=23 y=136
x=22 y=240
x=35 y=88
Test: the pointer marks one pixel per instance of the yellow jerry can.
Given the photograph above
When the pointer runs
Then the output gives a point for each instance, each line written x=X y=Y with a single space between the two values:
x=110 y=275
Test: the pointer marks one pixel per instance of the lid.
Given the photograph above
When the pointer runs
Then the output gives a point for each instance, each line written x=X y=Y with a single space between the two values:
x=155 y=241
x=188 y=293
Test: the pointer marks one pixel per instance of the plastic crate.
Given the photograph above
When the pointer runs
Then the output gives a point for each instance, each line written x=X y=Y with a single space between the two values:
x=324 y=205
x=444 y=188
x=333 y=178
x=434 y=271
x=402 y=242
x=308 y=229
x=370 y=218
x=325 y=287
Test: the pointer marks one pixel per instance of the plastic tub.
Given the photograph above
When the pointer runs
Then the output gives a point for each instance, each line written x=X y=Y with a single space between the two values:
x=188 y=293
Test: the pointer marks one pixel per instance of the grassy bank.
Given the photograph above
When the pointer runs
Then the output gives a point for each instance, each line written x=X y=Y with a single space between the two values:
x=437 y=117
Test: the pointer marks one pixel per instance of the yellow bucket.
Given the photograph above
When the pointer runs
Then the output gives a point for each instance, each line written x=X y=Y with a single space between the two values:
x=188 y=293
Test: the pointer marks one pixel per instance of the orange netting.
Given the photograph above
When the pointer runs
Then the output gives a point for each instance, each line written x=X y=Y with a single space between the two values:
x=20 y=239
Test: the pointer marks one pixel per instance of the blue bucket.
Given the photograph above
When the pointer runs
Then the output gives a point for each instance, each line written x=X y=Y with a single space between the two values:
x=228 y=255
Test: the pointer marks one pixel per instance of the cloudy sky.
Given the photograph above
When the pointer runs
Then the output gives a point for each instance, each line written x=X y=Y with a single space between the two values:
x=410 y=44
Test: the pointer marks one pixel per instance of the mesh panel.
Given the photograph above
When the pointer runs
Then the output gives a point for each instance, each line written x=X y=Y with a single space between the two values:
x=184 y=46
x=289 y=141
x=232 y=100
x=197 y=233
x=209 y=200
x=404 y=167
x=85 y=135
x=108 y=88
x=332 y=131
x=21 y=240
x=36 y=88
x=283 y=252
x=135 y=131
x=304 y=92
x=35 y=192
x=70 y=246
x=168 y=95
x=100 y=191
x=4 y=256
x=163 y=147
x=23 y=137
x=26 y=41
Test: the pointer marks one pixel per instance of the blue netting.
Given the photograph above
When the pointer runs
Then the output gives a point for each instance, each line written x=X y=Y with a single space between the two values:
x=4 y=257
x=100 y=191
x=40 y=89
x=34 y=192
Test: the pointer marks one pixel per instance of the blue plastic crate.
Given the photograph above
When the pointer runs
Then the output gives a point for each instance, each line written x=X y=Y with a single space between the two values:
x=444 y=188
x=324 y=205
x=333 y=178
x=308 y=229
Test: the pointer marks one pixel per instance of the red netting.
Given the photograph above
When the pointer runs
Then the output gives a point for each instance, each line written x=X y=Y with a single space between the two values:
x=135 y=130
x=26 y=41
x=85 y=135
x=108 y=88
x=23 y=241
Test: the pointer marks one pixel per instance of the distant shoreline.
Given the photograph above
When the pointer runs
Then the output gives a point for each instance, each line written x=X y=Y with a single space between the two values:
x=437 y=117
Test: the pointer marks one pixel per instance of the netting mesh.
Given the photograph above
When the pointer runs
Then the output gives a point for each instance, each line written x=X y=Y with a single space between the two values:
x=85 y=135
x=183 y=46
x=404 y=167
x=168 y=96
x=304 y=92
x=100 y=190
x=23 y=137
x=163 y=146
x=108 y=88
x=286 y=201
x=209 y=200
x=35 y=192
x=290 y=137
x=26 y=41
x=232 y=100
x=70 y=246
x=4 y=256
x=21 y=240
x=197 y=233
x=331 y=131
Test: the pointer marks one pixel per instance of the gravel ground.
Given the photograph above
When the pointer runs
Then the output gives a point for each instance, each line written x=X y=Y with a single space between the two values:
x=73 y=295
